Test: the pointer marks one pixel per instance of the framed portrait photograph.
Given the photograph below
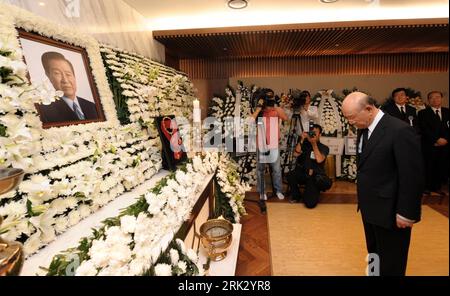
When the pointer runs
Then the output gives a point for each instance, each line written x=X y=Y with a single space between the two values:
x=66 y=68
x=173 y=150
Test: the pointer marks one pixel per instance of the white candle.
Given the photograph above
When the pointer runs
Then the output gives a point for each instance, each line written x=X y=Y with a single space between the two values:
x=197 y=112
x=196 y=104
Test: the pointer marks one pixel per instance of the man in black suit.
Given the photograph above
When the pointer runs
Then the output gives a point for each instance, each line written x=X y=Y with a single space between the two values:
x=399 y=108
x=434 y=126
x=389 y=181
x=61 y=73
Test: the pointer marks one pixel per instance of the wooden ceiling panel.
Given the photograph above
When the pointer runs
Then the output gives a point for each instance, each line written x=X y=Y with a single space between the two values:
x=306 y=40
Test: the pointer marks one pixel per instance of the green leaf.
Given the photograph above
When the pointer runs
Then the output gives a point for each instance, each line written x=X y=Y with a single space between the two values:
x=2 y=130
x=80 y=195
x=135 y=209
x=30 y=211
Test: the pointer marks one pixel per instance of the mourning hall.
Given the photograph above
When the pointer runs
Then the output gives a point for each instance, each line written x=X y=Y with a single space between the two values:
x=289 y=141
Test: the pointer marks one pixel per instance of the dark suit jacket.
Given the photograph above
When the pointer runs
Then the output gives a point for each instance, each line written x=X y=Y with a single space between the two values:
x=392 y=109
x=59 y=111
x=390 y=176
x=432 y=128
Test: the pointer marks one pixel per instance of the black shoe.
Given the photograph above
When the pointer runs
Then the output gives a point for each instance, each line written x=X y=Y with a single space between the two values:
x=292 y=201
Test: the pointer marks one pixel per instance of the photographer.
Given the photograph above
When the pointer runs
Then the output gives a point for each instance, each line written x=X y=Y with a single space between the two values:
x=310 y=168
x=268 y=116
x=302 y=106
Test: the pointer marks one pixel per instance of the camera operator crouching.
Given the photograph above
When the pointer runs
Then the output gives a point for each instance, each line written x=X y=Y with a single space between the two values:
x=310 y=168
x=268 y=135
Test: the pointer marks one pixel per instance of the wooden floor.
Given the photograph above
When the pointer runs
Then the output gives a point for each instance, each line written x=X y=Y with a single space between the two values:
x=254 y=255
x=254 y=251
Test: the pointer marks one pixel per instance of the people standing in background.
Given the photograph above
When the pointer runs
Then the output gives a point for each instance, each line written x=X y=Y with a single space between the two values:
x=268 y=115
x=308 y=113
x=434 y=127
x=389 y=181
x=399 y=108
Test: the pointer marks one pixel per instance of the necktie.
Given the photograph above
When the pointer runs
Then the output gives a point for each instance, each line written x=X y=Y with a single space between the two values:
x=365 y=139
x=78 y=112
x=402 y=110
x=438 y=114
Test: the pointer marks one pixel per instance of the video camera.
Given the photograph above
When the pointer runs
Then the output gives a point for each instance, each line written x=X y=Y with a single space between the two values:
x=311 y=132
x=265 y=98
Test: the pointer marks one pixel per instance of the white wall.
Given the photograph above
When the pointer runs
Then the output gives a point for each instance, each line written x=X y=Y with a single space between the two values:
x=379 y=86
x=109 y=21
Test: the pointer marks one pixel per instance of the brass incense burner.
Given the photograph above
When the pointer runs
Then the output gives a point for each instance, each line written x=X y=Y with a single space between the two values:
x=11 y=255
x=216 y=237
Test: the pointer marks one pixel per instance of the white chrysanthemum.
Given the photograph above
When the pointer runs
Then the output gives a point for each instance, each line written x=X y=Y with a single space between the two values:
x=174 y=256
x=84 y=211
x=99 y=253
x=61 y=224
x=115 y=235
x=163 y=270
x=155 y=203
x=74 y=217
x=128 y=224
x=87 y=268
x=32 y=244
x=137 y=267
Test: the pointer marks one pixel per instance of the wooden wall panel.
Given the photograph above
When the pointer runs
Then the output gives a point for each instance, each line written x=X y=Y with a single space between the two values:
x=307 y=40
x=219 y=68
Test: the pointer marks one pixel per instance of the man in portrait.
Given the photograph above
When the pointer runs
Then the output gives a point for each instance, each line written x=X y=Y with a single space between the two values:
x=70 y=107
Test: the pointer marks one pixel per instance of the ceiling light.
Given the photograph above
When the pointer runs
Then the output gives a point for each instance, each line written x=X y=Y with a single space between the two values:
x=328 y=1
x=237 y=4
x=41 y=3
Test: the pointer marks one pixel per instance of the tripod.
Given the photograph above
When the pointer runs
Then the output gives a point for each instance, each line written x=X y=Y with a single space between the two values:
x=292 y=141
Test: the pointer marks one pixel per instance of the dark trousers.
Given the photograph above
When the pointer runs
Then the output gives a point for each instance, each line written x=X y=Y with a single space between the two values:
x=436 y=164
x=297 y=177
x=391 y=245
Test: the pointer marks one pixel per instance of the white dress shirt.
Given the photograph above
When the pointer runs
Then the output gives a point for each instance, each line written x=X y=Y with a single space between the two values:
x=400 y=108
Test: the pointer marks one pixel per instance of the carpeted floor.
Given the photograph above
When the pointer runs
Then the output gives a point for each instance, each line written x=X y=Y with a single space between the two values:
x=329 y=240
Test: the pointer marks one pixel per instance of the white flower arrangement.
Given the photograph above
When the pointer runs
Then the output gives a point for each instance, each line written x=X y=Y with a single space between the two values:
x=349 y=170
x=70 y=171
x=151 y=89
x=135 y=241
x=231 y=188
x=332 y=119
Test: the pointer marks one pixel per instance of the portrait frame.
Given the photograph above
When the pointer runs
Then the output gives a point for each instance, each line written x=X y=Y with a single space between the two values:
x=171 y=158
x=88 y=77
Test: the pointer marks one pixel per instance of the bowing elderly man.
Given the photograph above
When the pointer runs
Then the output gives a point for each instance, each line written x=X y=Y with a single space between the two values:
x=389 y=181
